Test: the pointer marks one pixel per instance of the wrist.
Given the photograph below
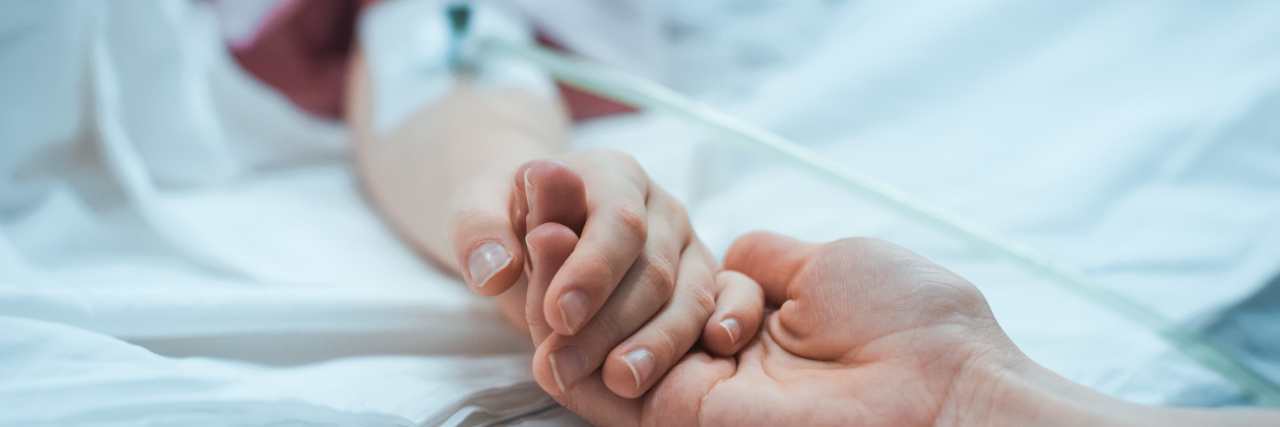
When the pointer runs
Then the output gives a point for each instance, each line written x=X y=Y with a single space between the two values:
x=1001 y=386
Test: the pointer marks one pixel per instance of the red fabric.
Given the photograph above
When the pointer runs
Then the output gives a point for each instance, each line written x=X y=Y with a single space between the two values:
x=303 y=51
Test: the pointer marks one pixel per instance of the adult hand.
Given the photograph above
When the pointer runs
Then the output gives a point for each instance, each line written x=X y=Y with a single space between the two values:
x=865 y=333
x=868 y=333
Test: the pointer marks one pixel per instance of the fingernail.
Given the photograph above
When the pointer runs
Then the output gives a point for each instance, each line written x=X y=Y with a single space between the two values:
x=528 y=191
x=641 y=363
x=573 y=310
x=486 y=261
x=567 y=364
x=730 y=325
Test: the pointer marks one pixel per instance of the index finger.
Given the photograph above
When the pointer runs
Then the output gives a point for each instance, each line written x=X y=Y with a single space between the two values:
x=613 y=236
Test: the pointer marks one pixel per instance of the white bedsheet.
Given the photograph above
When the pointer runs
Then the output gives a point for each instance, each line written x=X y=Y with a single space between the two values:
x=239 y=279
x=1139 y=142
x=180 y=246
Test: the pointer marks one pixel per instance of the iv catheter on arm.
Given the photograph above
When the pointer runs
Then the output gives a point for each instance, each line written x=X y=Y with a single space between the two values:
x=646 y=95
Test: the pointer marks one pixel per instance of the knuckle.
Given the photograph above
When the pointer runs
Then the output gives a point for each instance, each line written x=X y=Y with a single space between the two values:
x=611 y=326
x=602 y=268
x=704 y=301
x=669 y=205
x=623 y=161
x=667 y=338
x=683 y=227
x=662 y=274
x=678 y=210
x=632 y=222
x=617 y=155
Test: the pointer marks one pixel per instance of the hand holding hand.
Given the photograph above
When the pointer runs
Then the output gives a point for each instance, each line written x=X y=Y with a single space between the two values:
x=865 y=333
x=617 y=279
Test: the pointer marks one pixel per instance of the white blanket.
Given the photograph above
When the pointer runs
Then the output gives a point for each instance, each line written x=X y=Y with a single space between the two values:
x=193 y=260
x=1138 y=142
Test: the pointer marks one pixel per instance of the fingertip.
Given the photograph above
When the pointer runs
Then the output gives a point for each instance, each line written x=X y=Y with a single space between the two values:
x=724 y=335
x=488 y=255
x=574 y=308
x=550 y=242
x=739 y=310
x=553 y=192
x=560 y=363
x=630 y=373
x=732 y=330
x=543 y=372
x=769 y=259
x=568 y=305
x=491 y=267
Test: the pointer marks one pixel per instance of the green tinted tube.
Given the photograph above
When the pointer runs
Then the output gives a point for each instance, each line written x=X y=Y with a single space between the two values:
x=647 y=95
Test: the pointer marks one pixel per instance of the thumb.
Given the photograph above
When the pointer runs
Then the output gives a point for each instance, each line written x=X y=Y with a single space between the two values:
x=770 y=259
x=487 y=249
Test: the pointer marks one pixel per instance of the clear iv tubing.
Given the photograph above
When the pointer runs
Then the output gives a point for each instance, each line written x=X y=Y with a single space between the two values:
x=646 y=95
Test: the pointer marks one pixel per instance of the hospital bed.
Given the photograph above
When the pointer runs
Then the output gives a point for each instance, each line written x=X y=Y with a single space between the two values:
x=242 y=280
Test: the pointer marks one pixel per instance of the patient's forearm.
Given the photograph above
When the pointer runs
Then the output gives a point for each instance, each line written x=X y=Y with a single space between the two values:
x=470 y=141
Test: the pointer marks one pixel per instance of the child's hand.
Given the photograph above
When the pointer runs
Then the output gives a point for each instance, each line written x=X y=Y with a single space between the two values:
x=616 y=275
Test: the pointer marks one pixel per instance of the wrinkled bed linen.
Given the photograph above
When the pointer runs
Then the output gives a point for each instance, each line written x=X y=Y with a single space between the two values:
x=1138 y=142
x=239 y=278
